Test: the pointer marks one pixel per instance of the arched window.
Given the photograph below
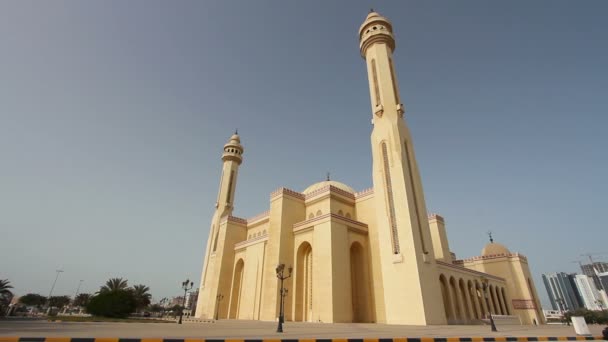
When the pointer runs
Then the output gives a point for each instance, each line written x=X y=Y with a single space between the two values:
x=215 y=239
x=391 y=205
x=375 y=80
x=340 y=213
x=319 y=213
x=311 y=215
x=230 y=180
x=347 y=215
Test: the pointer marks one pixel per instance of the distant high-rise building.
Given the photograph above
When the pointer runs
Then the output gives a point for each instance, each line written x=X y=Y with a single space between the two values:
x=604 y=299
x=191 y=298
x=590 y=271
x=562 y=290
x=603 y=279
x=589 y=293
x=179 y=300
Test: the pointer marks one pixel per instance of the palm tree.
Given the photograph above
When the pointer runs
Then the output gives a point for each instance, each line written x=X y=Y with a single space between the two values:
x=5 y=295
x=142 y=296
x=114 y=284
x=82 y=299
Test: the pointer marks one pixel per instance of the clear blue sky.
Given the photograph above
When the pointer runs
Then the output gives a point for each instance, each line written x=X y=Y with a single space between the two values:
x=113 y=116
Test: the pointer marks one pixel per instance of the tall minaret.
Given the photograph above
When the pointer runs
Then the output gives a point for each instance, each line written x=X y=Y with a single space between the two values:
x=216 y=254
x=401 y=236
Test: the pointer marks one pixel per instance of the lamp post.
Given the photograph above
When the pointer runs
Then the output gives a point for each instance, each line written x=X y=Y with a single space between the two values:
x=282 y=293
x=485 y=294
x=48 y=302
x=187 y=286
x=163 y=304
x=218 y=298
x=75 y=294
x=78 y=288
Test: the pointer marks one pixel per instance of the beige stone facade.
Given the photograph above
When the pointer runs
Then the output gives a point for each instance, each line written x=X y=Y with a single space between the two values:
x=368 y=256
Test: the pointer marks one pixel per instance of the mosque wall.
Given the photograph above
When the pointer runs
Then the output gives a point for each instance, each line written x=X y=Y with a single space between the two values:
x=521 y=292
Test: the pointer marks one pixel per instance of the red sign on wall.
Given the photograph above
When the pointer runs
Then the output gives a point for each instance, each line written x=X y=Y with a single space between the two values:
x=523 y=304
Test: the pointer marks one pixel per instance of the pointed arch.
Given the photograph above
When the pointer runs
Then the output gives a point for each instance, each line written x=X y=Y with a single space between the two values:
x=303 y=293
x=465 y=299
x=447 y=305
x=215 y=238
x=359 y=284
x=481 y=299
x=492 y=300
x=473 y=298
x=230 y=182
x=389 y=194
x=375 y=81
x=237 y=284
x=457 y=303
x=504 y=298
x=500 y=301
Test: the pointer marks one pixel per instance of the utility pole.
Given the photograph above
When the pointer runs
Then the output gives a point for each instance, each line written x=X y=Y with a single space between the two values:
x=48 y=301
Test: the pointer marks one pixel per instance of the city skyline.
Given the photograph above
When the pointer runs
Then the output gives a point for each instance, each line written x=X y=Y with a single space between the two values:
x=112 y=134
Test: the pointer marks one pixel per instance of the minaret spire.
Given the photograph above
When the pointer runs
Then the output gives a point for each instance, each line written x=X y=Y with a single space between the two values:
x=232 y=157
x=401 y=233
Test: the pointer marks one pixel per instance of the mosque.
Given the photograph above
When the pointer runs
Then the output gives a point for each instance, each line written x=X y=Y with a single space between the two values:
x=357 y=256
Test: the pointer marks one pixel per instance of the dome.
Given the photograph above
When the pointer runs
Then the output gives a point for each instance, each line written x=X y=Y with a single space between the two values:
x=235 y=138
x=323 y=184
x=372 y=14
x=494 y=248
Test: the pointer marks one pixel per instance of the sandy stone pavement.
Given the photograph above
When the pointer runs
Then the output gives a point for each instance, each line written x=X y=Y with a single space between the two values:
x=256 y=329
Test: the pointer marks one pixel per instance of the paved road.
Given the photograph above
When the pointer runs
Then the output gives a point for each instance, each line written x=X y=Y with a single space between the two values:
x=256 y=329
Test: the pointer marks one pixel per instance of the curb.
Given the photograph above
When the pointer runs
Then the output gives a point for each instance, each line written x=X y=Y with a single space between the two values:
x=403 y=339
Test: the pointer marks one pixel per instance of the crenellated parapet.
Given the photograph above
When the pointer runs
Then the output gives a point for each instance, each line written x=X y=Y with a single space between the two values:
x=490 y=257
x=234 y=219
x=286 y=192
x=437 y=217
x=364 y=193
x=329 y=189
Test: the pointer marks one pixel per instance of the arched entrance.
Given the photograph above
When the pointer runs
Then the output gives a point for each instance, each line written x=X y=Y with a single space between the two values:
x=504 y=298
x=303 y=295
x=237 y=282
x=457 y=304
x=465 y=300
x=447 y=305
x=359 y=284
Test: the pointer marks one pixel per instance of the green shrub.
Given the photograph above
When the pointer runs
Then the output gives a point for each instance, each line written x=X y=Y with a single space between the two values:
x=118 y=304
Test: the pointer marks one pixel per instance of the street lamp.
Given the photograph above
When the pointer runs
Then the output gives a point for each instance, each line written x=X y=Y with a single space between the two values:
x=187 y=286
x=282 y=293
x=163 y=304
x=48 y=302
x=218 y=298
x=486 y=288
